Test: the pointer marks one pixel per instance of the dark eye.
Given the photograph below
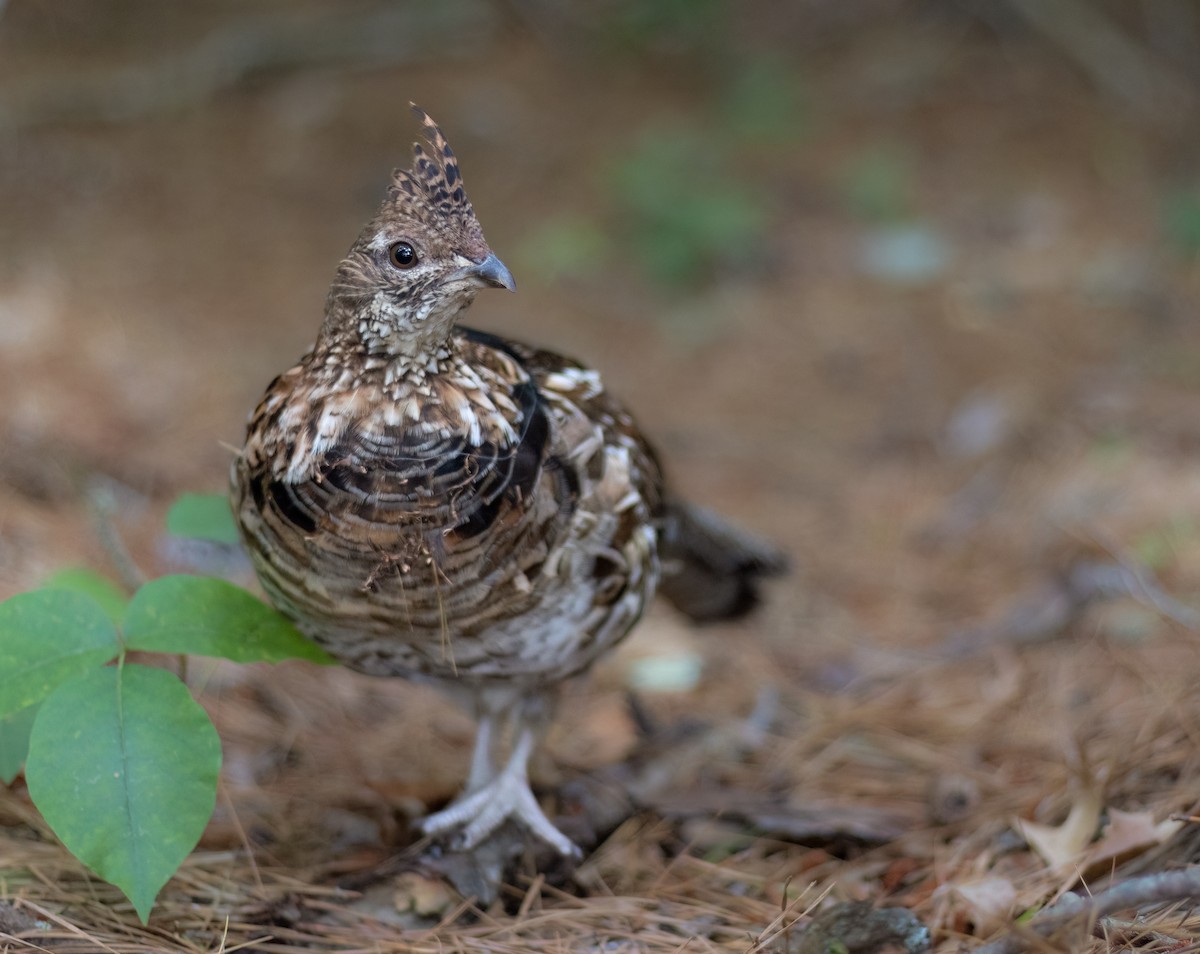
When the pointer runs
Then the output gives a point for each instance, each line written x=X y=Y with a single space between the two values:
x=402 y=255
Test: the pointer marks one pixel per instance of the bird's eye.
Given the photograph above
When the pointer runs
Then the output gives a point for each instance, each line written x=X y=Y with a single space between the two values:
x=402 y=255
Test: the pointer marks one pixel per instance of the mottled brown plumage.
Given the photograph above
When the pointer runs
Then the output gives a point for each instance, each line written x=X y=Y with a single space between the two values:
x=436 y=503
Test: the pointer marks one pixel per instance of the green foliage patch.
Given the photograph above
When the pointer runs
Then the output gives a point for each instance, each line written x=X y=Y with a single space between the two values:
x=123 y=765
x=203 y=517
x=112 y=598
x=688 y=214
x=683 y=27
x=119 y=758
x=877 y=186
x=203 y=616
x=14 y=741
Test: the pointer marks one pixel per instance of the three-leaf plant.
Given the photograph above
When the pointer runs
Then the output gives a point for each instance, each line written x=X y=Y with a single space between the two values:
x=120 y=760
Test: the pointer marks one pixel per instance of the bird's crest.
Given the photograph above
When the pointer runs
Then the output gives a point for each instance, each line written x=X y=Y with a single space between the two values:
x=434 y=176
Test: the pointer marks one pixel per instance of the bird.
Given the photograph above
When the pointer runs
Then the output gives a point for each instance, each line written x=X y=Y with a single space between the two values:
x=446 y=505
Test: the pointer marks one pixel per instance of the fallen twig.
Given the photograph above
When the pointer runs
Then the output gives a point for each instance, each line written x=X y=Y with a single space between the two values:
x=1086 y=910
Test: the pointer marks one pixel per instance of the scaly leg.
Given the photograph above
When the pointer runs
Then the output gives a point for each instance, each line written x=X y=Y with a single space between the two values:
x=491 y=798
x=483 y=764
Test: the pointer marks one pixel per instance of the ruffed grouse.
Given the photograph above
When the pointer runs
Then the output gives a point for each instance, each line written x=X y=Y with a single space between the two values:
x=437 y=503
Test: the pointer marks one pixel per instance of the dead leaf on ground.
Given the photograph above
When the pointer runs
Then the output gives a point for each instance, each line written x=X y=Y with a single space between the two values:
x=1128 y=834
x=1061 y=846
x=989 y=900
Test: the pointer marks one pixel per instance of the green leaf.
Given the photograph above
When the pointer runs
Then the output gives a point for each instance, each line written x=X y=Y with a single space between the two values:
x=112 y=598
x=204 y=516
x=14 y=742
x=123 y=765
x=209 y=617
x=46 y=637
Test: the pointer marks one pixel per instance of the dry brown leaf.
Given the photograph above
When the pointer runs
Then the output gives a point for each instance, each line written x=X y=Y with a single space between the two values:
x=1061 y=846
x=989 y=900
x=423 y=896
x=1128 y=834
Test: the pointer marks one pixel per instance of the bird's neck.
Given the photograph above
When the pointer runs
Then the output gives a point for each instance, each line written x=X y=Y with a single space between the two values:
x=383 y=323
x=361 y=364
x=370 y=337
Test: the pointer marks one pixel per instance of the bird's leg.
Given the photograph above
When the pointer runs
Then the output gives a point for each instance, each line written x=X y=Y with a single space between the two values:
x=500 y=796
x=483 y=763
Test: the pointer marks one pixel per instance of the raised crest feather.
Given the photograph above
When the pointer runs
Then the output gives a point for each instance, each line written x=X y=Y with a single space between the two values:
x=434 y=172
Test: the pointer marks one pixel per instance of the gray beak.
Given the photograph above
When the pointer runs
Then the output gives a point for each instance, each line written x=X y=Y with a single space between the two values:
x=494 y=273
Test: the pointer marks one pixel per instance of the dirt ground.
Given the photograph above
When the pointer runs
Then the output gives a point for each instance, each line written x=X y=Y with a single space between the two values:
x=953 y=370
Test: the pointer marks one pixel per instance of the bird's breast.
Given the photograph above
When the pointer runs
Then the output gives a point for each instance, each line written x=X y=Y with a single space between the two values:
x=504 y=515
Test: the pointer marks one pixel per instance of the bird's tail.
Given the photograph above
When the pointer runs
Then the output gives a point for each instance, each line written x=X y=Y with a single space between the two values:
x=712 y=570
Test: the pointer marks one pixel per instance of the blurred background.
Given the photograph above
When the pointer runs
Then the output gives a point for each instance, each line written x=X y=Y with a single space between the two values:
x=909 y=287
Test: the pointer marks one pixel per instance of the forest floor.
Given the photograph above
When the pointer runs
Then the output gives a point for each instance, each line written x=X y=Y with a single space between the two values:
x=952 y=366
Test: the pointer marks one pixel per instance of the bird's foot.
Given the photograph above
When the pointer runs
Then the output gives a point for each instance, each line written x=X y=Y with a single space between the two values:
x=481 y=812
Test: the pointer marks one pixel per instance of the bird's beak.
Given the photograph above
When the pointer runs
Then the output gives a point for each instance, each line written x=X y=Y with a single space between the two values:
x=493 y=272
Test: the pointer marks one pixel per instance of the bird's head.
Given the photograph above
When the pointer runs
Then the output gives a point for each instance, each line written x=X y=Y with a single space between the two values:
x=419 y=262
